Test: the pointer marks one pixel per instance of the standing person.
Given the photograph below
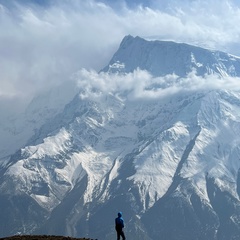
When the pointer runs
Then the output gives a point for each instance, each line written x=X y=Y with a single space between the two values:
x=119 y=225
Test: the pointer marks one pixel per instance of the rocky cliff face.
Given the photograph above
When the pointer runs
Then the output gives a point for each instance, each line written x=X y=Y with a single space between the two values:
x=161 y=58
x=171 y=165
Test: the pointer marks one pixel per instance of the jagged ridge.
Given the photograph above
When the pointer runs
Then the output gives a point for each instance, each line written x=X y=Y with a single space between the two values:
x=164 y=57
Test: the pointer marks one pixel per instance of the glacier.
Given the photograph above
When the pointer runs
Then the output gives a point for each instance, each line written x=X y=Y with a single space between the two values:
x=170 y=164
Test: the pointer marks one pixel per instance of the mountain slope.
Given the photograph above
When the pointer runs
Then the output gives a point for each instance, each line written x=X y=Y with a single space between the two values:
x=170 y=164
x=161 y=58
x=19 y=126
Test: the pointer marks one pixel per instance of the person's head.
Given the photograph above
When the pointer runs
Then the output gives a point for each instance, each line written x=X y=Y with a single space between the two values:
x=119 y=214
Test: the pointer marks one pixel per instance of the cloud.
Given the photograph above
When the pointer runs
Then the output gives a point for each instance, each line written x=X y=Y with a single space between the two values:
x=43 y=45
x=142 y=85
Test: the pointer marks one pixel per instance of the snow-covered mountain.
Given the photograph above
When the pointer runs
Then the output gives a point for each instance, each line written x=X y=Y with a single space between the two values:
x=18 y=127
x=161 y=58
x=171 y=164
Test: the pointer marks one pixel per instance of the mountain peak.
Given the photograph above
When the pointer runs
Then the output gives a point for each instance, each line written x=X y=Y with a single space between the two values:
x=126 y=39
x=129 y=39
x=166 y=57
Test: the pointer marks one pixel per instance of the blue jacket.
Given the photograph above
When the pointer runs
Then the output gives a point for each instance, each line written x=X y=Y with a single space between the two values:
x=119 y=223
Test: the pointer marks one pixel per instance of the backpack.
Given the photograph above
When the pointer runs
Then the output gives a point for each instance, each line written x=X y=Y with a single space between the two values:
x=119 y=223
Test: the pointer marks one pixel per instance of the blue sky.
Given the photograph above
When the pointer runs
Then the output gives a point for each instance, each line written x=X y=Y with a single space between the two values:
x=44 y=42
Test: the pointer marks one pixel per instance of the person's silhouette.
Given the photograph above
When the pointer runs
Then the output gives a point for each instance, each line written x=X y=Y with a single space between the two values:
x=119 y=225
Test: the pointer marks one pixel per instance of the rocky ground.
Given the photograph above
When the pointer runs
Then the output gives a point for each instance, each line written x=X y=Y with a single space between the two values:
x=43 y=237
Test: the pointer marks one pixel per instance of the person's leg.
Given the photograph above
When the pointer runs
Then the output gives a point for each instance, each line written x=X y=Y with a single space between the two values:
x=123 y=235
x=118 y=235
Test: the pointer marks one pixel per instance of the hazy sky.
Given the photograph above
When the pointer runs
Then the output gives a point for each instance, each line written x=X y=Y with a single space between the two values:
x=42 y=43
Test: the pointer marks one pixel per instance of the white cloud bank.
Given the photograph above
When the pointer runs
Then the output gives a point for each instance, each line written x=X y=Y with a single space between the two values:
x=43 y=45
x=141 y=85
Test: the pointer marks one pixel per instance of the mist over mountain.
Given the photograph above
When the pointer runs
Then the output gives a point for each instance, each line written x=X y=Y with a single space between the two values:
x=155 y=134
